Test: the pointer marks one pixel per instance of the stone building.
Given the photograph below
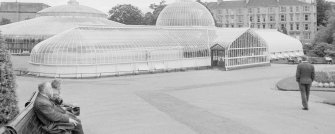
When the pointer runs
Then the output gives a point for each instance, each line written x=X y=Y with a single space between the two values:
x=17 y=11
x=296 y=17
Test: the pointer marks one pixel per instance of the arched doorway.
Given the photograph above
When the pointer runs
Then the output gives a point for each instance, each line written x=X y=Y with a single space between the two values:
x=218 y=56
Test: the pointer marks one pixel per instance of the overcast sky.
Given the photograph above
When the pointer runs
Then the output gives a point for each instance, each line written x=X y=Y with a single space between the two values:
x=105 y=5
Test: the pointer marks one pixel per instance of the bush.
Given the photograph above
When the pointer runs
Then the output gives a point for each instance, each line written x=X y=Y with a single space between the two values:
x=8 y=101
x=325 y=77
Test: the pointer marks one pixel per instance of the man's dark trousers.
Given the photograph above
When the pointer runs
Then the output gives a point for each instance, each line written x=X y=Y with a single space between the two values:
x=304 y=90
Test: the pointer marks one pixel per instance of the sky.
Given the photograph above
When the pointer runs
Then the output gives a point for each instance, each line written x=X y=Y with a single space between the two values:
x=106 y=5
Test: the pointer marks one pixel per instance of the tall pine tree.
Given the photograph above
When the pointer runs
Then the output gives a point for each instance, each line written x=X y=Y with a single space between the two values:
x=8 y=101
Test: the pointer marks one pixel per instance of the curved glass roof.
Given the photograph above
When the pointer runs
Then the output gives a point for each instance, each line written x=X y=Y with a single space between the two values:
x=185 y=13
x=55 y=20
x=72 y=9
x=281 y=43
x=105 y=45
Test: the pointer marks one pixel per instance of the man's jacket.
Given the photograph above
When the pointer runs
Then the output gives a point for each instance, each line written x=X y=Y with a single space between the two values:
x=305 y=73
x=53 y=119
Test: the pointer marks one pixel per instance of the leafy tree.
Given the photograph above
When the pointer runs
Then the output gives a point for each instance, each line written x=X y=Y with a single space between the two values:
x=326 y=33
x=4 y=21
x=323 y=8
x=323 y=49
x=126 y=14
x=157 y=9
x=8 y=101
x=148 y=19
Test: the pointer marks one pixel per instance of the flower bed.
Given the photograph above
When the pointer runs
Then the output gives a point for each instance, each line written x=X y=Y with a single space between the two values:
x=324 y=79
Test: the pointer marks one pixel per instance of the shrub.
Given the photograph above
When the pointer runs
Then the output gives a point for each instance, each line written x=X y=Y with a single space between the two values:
x=8 y=102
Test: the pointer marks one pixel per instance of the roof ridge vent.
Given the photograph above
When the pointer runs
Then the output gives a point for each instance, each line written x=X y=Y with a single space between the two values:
x=73 y=2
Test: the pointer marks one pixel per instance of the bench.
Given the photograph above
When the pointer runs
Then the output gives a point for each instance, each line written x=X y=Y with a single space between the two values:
x=27 y=122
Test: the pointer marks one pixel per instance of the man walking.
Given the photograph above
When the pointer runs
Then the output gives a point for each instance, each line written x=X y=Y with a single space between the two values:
x=305 y=76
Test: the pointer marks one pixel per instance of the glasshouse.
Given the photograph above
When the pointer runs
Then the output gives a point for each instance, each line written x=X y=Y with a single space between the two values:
x=282 y=46
x=184 y=37
x=23 y=36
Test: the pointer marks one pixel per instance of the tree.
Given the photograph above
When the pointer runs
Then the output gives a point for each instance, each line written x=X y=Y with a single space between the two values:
x=148 y=19
x=8 y=101
x=126 y=14
x=157 y=9
x=323 y=49
x=323 y=8
x=325 y=33
x=4 y=21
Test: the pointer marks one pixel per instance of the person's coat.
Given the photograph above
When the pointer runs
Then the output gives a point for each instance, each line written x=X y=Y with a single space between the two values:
x=305 y=73
x=53 y=119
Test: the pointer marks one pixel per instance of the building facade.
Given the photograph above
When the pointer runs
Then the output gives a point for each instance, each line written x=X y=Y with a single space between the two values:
x=296 y=17
x=17 y=11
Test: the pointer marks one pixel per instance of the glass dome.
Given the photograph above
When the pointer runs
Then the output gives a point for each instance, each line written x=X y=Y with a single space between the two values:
x=94 y=45
x=185 y=13
x=72 y=9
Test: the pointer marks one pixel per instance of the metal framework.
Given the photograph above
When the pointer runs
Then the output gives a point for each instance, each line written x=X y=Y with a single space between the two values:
x=248 y=49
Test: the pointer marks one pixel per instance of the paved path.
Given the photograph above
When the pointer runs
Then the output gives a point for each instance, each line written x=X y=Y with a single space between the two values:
x=193 y=102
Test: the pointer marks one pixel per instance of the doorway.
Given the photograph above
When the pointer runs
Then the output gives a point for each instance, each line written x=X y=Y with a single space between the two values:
x=218 y=56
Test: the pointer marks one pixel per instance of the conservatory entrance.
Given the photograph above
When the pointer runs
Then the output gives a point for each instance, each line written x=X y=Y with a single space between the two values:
x=218 y=56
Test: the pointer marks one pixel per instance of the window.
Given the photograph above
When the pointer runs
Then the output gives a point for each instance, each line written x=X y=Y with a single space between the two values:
x=282 y=9
x=250 y=10
x=227 y=12
x=251 y=19
x=220 y=11
x=291 y=17
x=291 y=26
x=240 y=11
x=306 y=17
x=297 y=9
x=263 y=18
x=258 y=10
x=297 y=17
x=306 y=27
x=306 y=8
x=240 y=18
x=297 y=26
x=263 y=26
x=271 y=9
x=258 y=18
x=283 y=26
x=282 y=17
x=307 y=35
x=271 y=26
x=252 y=25
x=258 y=26
x=232 y=17
x=272 y=18
x=232 y=25
x=291 y=9
x=240 y=26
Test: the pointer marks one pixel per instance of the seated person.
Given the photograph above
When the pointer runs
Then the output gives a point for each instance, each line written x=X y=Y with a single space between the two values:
x=54 y=121
x=56 y=86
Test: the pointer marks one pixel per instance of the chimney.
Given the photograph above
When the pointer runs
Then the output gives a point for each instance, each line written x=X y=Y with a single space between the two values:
x=220 y=1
